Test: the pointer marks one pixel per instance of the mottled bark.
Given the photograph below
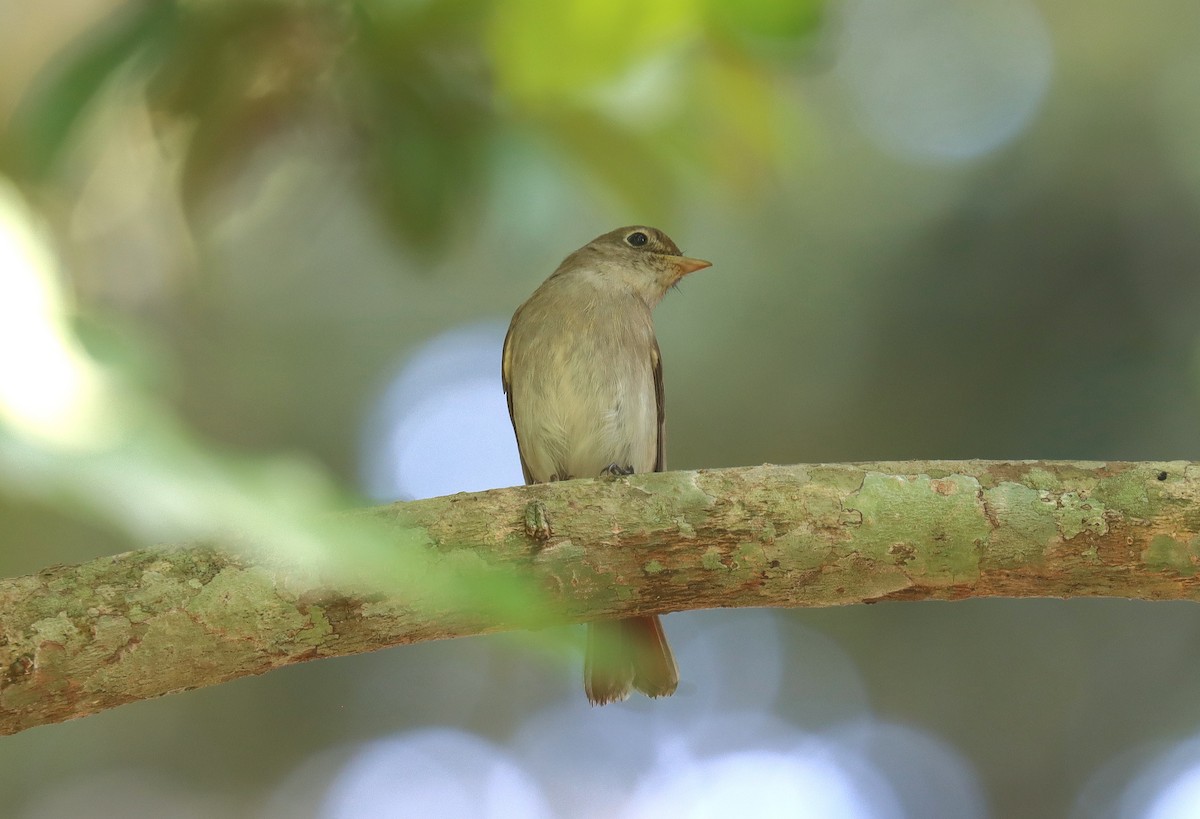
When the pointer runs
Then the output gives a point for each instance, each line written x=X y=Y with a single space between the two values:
x=75 y=640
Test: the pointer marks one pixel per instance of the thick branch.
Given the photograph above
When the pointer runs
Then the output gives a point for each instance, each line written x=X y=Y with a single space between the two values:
x=75 y=640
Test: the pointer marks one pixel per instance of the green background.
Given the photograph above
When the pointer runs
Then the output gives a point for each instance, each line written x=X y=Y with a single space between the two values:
x=263 y=209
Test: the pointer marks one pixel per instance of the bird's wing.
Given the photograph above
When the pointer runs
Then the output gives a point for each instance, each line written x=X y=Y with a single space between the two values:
x=660 y=460
x=506 y=382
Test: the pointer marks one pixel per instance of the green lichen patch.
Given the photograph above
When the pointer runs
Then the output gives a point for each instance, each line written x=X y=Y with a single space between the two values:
x=804 y=549
x=1075 y=514
x=58 y=629
x=318 y=629
x=110 y=633
x=1029 y=524
x=156 y=590
x=171 y=641
x=654 y=567
x=851 y=579
x=243 y=604
x=841 y=479
x=1166 y=554
x=1128 y=492
x=563 y=551
x=749 y=556
x=711 y=559
x=1078 y=476
x=930 y=519
x=820 y=507
x=685 y=529
x=1039 y=478
x=675 y=496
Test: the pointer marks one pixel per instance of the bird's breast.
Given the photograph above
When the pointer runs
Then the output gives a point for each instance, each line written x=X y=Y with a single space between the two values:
x=583 y=391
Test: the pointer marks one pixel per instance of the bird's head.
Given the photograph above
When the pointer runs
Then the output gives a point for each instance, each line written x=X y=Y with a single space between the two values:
x=643 y=258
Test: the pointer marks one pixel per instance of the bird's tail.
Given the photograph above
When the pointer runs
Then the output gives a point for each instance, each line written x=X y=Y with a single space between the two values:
x=627 y=654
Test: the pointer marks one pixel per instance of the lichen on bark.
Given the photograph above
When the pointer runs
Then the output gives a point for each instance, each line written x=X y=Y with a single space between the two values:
x=75 y=640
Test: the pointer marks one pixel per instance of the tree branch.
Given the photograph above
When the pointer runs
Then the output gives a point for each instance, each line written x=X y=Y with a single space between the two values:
x=75 y=640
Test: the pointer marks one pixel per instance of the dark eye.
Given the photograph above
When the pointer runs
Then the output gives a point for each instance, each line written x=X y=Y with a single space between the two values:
x=637 y=238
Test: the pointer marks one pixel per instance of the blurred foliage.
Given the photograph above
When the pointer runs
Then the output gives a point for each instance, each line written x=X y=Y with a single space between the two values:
x=419 y=95
x=548 y=52
x=43 y=127
x=82 y=428
x=420 y=88
x=262 y=209
x=420 y=91
x=633 y=90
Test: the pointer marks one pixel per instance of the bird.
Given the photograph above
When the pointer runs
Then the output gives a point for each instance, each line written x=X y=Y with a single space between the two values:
x=583 y=376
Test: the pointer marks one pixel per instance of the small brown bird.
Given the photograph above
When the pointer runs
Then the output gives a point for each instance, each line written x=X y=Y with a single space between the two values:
x=584 y=382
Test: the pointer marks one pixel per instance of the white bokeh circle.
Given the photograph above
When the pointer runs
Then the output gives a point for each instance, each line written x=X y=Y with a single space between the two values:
x=945 y=82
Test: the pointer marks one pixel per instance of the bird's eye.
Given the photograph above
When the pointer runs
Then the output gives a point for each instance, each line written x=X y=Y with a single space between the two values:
x=637 y=238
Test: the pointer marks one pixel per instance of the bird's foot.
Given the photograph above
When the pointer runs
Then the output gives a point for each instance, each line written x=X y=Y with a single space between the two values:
x=613 y=471
x=537 y=521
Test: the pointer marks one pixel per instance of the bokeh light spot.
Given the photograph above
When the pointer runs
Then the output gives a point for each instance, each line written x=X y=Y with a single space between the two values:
x=441 y=426
x=1145 y=783
x=944 y=81
x=1180 y=799
x=435 y=774
x=808 y=782
x=50 y=389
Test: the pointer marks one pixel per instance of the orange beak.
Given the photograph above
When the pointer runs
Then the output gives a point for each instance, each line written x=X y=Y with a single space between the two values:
x=686 y=265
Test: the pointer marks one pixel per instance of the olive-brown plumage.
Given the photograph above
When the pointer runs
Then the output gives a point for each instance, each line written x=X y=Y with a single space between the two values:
x=583 y=376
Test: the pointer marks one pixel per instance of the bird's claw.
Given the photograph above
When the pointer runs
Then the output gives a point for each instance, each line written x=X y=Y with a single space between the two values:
x=613 y=471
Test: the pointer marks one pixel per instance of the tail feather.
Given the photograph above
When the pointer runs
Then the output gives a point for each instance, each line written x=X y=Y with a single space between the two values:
x=654 y=671
x=627 y=654
x=607 y=666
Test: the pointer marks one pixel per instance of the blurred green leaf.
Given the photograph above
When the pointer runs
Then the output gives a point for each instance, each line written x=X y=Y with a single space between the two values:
x=766 y=27
x=236 y=74
x=618 y=159
x=418 y=176
x=742 y=129
x=405 y=27
x=546 y=51
x=44 y=122
x=127 y=351
x=417 y=90
x=633 y=92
